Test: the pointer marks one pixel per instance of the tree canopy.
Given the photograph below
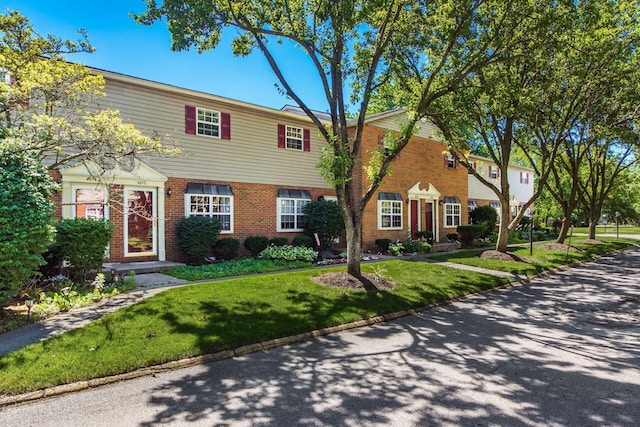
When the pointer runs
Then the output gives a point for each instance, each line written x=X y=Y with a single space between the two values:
x=358 y=48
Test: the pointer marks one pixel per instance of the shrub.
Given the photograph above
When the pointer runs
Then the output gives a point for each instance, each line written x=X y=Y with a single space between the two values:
x=289 y=253
x=426 y=235
x=485 y=214
x=279 y=241
x=25 y=217
x=452 y=237
x=324 y=218
x=196 y=236
x=417 y=246
x=383 y=244
x=396 y=249
x=468 y=233
x=256 y=244
x=305 y=241
x=227 y=248
x=83 y=242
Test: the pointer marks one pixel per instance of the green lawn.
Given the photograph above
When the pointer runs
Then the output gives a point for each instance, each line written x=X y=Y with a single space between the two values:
x=541 y=260
x=208 y=317
x=609 y=229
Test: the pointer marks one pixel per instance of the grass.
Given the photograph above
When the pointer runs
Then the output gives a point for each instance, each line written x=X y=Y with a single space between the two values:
x=213 y=316
x=540 y=260
x=609 y=229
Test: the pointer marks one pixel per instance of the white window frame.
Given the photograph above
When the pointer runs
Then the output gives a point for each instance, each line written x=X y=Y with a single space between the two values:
x=154 y=214
x=386 y=209
x=298 y=205
x=214 y=125
x=450 y=213
x=451 y=162
x=210 y=208
x=524 y=178
x=74 y=199
x=294 y=138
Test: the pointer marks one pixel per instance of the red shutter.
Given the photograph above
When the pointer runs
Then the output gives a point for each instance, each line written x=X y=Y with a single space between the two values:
x=190 y=119
x=306 y=139
x=225 y=128
x=281 y=136
x=455 y=164
x=446 y=161
x=498 y=171
x=490 y=174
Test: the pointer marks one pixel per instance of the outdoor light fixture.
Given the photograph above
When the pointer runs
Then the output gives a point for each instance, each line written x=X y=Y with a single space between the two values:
x=29 y=303
x=168 y=192
x=440 y=202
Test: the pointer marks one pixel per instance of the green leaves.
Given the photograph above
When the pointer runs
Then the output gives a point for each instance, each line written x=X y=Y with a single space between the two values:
x=25 y=216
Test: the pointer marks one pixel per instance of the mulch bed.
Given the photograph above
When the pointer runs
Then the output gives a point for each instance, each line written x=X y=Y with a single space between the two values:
x=344 y=280
x=556 y=247
x=502 y=256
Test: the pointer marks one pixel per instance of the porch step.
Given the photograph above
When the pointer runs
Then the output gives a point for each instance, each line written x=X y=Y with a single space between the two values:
x=140 y=267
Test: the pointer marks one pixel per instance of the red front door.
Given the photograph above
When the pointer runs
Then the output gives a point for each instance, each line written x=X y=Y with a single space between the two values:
x=414 y=217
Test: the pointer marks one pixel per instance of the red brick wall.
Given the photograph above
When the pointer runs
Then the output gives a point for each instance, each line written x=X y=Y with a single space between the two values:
x=254 y=207
x=422 y=160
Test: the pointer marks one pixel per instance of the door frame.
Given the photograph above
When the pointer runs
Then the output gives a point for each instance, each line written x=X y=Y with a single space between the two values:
x=154 y=221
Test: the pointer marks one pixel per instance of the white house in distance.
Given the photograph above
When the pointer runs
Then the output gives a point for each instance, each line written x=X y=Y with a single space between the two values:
x=520 y=185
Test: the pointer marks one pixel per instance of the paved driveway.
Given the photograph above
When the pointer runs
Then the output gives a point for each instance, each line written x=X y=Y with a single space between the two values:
x=564 y=350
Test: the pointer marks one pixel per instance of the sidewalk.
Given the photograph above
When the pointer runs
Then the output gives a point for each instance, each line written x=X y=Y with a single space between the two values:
x=150 y=284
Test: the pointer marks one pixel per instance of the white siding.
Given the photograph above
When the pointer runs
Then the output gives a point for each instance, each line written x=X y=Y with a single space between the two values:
x=251 y=155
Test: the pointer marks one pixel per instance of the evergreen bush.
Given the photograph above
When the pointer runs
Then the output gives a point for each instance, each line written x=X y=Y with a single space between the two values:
x=305 y=241
x=278 y=241
x=324 y=218
x=196 y=236
x=256 y=244
x=25 y=217
x=227 y=248
x=83 y=243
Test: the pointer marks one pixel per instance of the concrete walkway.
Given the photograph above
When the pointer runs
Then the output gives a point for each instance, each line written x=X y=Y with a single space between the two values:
x=149 y=285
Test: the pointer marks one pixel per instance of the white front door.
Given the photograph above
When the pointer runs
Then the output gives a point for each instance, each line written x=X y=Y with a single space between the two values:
x=140 y=228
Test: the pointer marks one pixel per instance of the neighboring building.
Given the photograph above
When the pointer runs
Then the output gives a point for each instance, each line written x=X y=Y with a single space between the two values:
x=254 y=168
x=520 y=185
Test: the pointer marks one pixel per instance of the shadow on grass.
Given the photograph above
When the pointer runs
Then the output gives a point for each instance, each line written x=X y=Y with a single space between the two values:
x=527 y=355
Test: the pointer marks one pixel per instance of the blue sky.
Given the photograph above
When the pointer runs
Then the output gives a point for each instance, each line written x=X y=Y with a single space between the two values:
x=126 y=47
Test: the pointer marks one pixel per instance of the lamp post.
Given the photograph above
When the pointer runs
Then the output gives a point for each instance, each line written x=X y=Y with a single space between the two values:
x=531 y=234
x=29 y=303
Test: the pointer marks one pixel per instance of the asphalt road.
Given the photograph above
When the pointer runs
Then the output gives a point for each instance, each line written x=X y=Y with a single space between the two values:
x=563 y=350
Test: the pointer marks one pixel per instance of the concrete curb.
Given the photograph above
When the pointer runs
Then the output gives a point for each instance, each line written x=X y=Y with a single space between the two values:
x=267 y=345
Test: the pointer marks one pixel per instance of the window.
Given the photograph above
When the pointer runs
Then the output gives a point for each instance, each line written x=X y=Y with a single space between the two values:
x=389 y=211
x=471 y=206
x=496 y=206
x=205 y=122
x=450 y=162
x=212 y=200
x=494 y=172
x=294 y=138
x=208 y=122
x=452 y=212
x=291 y=203
x=89 y=203
x=472 y=167
x=524 y=178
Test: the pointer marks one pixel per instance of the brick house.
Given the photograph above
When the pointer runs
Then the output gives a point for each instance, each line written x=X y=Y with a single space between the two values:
x=252 y=167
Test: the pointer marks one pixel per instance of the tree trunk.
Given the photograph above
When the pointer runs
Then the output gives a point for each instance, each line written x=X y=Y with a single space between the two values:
x=592 y=228
x=503 y=231
x=564 y=229
x=354 y=246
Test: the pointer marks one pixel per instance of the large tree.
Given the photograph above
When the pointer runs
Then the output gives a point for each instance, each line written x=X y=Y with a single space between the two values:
x=356 y=47
x=51 y=107
x=599 y=80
